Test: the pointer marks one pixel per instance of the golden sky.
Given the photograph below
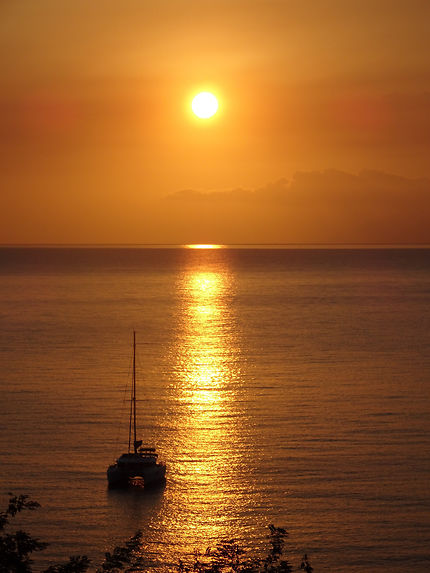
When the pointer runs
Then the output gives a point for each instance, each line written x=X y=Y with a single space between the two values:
x=322 y=133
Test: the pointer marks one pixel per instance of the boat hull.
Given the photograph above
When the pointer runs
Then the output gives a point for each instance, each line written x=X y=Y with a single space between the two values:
x=152 y=475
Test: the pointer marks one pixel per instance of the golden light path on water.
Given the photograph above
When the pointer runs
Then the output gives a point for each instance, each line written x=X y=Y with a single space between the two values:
x=205 y=369
x=205 y=246
x=204 y=499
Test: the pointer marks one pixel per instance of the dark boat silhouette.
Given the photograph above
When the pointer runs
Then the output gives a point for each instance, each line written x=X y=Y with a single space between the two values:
x=139 y=465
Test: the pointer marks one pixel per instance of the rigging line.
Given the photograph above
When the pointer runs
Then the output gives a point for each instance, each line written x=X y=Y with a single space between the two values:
x=134 y=390
x=124 y=400
x=143 y=388
x=132 y=395
x=140 y=369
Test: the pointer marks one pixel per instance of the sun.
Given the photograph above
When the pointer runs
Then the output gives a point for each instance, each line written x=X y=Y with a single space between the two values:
x=204 y=105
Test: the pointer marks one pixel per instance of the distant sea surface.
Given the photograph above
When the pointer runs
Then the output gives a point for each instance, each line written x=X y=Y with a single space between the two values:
x=280 y=386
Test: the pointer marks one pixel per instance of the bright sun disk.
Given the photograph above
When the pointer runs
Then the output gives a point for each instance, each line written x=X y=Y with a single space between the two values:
x=204 y=105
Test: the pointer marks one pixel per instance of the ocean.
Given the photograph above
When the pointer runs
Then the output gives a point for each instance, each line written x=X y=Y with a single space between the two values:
x=285 y=386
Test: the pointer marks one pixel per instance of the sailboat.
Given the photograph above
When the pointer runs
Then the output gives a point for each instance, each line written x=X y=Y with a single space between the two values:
x=140 y=465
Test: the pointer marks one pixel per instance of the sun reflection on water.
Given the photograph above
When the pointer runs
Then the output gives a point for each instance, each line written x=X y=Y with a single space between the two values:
x=204 y=246
x=206 y=381
x=203 y=348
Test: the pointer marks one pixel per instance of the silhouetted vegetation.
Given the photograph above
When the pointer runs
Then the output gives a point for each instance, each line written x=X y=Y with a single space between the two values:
x=227 y=557
x=16 y=548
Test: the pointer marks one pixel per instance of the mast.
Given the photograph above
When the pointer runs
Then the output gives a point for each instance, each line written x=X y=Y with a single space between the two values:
x=133 y=401
x=131 y=411
x=134 y=390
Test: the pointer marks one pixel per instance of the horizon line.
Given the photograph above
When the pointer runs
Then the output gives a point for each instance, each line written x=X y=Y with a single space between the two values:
x=220 y=245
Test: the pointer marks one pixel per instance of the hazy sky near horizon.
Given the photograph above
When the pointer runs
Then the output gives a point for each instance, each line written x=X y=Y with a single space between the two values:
x=322 y=135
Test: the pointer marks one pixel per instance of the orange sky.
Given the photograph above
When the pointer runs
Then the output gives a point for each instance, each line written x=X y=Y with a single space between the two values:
x=323 y=132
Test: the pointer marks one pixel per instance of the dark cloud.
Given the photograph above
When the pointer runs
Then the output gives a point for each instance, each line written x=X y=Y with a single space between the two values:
x=321 y=185
x=317 y=207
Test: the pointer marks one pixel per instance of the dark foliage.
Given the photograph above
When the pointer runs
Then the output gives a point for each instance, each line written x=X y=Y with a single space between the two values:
x=227 y=557
x=16 y=548
x=305 y=565
x=77 y=564
x=129 y=554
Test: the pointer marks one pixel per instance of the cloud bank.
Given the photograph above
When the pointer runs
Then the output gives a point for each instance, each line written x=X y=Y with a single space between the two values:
x=321 y=207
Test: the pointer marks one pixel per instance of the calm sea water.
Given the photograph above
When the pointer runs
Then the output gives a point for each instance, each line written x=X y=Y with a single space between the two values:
x=284 y=386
